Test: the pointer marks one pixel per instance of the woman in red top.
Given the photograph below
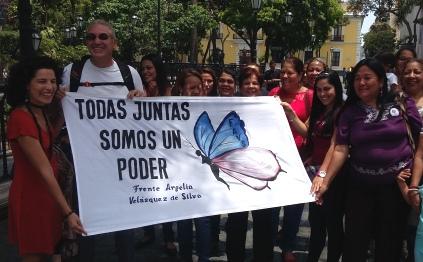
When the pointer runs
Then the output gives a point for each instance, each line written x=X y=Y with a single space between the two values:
x=296 y=101
x=37 y=207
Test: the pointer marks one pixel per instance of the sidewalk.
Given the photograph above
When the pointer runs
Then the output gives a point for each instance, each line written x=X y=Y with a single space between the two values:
x=154 y=252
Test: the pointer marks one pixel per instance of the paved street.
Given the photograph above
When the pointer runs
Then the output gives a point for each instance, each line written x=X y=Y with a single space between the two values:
x=154 y=252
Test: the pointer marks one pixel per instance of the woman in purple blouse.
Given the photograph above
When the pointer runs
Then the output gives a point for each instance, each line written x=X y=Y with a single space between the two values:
x=372 y=134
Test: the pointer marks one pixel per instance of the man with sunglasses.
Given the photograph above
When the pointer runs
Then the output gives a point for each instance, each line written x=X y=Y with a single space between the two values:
x=100 y=75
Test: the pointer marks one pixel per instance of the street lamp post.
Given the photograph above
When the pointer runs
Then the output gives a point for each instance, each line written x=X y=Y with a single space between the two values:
x=311 y=23
x=256 y=5
x=36 y=41
x=288 y=17
x=159 y=44
x=73 y=33
x=134 y=21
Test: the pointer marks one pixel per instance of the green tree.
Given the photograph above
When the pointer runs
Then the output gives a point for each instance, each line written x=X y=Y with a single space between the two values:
x=399 y=8
x=177 y=21
x=271 y=18
x=299 y=34
x=9 y=40
x=381 y=37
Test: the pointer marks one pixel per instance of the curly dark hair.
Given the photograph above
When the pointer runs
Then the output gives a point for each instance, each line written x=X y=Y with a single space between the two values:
x=21 y=74
x=161 y=72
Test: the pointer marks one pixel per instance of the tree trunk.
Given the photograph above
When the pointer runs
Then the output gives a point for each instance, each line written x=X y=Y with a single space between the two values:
x=253 y=45
x=213 y=40
x=206 y=52
x=266 y=53
x=194 y=45
x=25 y=28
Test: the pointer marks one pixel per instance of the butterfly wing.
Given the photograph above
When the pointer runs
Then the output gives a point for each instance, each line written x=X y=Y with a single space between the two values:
x=203 y=132
x=253 y=167
x=230 y=135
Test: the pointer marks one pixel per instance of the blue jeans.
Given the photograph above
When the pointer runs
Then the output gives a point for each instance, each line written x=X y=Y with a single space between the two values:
x=202 y=238
x=124 y=243
x=290 y=225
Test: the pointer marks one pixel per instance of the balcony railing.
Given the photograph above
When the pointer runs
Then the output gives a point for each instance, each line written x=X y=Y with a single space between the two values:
x=236 y=36
x=337 y=38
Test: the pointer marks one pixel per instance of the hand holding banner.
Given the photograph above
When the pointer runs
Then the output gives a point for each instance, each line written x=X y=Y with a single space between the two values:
x=153 y=160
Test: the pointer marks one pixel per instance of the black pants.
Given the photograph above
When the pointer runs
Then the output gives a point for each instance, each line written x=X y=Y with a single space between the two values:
x=168 y=234
x=215 y=229
x=374 y=210
x=236 y=231
x=327 y=219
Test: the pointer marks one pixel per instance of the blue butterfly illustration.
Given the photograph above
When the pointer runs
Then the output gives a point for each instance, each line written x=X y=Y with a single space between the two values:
x=227 y=149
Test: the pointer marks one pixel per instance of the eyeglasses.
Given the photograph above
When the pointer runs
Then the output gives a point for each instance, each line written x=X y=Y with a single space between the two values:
x=92 y=37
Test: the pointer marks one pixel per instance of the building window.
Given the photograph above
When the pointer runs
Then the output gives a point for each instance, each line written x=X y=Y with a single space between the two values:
x=336 y=57
x=308 y=54
x=337 y=33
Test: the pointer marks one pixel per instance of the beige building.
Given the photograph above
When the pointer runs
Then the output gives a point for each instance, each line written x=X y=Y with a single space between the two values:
x=341 y=50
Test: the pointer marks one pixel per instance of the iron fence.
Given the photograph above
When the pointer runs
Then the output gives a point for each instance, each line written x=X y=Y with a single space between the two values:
x=4 y=145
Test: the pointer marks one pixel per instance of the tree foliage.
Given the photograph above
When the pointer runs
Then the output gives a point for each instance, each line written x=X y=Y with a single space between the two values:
x=380 y=38
x=177 y=21
x=271 y=18
x=8 y=43
x=178 y=18
x=383 y=8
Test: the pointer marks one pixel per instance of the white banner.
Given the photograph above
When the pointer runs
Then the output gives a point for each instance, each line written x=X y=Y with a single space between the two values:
x=151 y=160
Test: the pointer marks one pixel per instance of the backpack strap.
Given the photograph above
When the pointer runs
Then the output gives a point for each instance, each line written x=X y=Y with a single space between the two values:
x=126 y=75
x=76 y=72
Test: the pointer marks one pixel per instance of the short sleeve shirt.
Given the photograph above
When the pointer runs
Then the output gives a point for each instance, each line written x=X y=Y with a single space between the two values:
x=94 y=74
x=379 y=149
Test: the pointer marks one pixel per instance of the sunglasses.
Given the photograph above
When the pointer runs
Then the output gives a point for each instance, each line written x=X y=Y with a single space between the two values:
x=92 y=37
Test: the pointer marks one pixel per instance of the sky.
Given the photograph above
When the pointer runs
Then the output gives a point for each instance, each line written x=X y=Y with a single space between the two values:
x=368 y=21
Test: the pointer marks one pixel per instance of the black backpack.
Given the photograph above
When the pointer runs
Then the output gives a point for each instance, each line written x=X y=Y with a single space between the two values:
x=76 y=72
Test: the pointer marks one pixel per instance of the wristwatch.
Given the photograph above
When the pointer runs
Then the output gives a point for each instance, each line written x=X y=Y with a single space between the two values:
x=321 y=174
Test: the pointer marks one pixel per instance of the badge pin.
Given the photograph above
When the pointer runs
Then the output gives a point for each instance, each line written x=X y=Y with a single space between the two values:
x=394 y=112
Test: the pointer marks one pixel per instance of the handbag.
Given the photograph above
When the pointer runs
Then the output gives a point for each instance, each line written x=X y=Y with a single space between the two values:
x=68 y=246
x=400 y=99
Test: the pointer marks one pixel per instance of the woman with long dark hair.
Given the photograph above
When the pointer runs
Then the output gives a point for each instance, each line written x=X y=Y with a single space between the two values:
x=153 y=76
x=209 y=81
x=37 y=206
x=372 y=135
x=326 y=219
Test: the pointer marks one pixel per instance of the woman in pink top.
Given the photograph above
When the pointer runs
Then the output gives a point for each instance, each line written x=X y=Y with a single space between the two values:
x=296 y=101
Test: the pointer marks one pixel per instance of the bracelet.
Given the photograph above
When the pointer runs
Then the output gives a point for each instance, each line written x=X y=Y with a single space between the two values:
x=413 y=187
x=68 y=215
x=413 y=191
x=321 y=174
